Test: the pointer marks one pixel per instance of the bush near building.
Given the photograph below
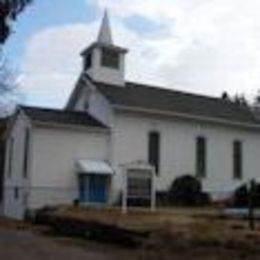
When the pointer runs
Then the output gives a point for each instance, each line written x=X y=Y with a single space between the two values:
x=241 y=196
x=186 y=190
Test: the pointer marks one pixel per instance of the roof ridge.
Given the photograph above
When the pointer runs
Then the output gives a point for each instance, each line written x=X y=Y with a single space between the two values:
x=130 y=84
x=158 y=98
x=187 y=93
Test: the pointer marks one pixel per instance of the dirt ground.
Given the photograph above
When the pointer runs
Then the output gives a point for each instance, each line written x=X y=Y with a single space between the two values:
x=186 y=234
x=26 y=244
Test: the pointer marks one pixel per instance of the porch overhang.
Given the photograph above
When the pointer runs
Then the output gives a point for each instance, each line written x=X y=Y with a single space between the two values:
x=99 y=167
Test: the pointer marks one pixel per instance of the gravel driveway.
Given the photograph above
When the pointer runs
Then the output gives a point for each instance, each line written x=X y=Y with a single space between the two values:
x=24 y=245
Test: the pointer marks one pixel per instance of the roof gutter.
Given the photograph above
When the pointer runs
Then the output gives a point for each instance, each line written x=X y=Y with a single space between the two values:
x=70 y=126
x=188 y=116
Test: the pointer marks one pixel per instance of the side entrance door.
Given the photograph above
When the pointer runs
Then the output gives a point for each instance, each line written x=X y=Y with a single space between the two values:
x=93 y=188
x=97 y=188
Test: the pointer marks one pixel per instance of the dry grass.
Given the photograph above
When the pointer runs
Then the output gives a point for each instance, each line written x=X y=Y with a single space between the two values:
x=136 y=219
x=13 y=224
x=203 y=239
x=201 y=233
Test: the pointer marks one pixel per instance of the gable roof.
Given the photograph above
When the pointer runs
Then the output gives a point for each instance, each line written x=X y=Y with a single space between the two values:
x=58 y=116
x=140 y=96
x=166 y=100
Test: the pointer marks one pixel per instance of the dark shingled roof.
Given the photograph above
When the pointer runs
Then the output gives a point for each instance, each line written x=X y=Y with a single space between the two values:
x=170 y=101
x=61 y=116
x=165 y=100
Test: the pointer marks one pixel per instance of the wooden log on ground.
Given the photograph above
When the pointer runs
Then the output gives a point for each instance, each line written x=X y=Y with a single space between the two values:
x=107 y=233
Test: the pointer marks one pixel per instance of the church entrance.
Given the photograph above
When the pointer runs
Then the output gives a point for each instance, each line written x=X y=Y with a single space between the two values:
x=93 y=188
x=94 y=179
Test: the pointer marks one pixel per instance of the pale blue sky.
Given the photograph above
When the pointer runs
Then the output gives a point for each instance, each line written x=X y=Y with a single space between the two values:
x=201 y=46
x=43 y=14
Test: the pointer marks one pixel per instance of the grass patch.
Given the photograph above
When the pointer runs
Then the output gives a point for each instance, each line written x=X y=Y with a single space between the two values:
x=179 y=232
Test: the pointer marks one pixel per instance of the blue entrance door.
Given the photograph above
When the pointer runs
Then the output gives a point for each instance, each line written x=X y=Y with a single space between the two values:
x=97 y=188
x=93 y=188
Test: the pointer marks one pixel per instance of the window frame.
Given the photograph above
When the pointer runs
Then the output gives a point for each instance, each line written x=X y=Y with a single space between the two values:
x=154 y=157
x=16 y=193
x=10 y=157
x=201 y=157
x=237 y=153
x=110 y=58
x=88 y=61
x=26 y=152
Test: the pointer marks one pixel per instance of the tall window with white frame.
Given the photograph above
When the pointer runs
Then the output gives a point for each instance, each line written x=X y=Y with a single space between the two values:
x=154 y=150
x=237 y=160
x=201 y=157
x=10 y=156
x=26 y=152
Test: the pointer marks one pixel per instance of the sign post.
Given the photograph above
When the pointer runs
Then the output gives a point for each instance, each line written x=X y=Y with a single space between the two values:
x=124 y=193
x=251 y=200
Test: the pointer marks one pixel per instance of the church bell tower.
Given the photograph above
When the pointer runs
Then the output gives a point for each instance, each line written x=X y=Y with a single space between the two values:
x=103 y=61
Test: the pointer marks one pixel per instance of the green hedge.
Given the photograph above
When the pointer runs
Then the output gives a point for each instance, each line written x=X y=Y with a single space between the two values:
x=186 y=190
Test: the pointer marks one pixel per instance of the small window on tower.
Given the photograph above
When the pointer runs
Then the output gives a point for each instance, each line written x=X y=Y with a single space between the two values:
x=88 y=61
x=110 y=58
x=86 y=104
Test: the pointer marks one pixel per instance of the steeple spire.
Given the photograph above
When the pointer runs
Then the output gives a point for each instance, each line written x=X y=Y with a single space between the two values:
x=105 y=35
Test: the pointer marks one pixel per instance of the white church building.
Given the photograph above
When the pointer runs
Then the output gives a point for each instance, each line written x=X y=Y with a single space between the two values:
x=111 y=127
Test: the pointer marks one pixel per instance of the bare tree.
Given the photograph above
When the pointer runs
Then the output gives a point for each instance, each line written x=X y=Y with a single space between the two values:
x=257 y=98
x=225 y=96
x=240 y=100
x=9 y=10
x=8 y=87
x=7 y=78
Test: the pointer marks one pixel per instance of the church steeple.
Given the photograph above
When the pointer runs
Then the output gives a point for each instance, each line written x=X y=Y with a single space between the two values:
x=105 y=35
x=103 y=61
